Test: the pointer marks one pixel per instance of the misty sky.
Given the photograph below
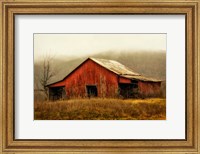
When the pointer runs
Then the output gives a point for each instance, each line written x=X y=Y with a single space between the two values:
x=61 y=45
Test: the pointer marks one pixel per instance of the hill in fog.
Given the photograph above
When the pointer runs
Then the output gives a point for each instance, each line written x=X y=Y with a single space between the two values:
x=150 y=64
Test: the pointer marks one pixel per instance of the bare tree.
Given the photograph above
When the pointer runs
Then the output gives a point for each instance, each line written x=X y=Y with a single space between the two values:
x=47 y=73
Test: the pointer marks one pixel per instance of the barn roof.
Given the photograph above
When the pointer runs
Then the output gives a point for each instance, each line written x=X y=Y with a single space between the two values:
x=114 y=66
x=117 y=68
x=141 y=78
x=122 y=70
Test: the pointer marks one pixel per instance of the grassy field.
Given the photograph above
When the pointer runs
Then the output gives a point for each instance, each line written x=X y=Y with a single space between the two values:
x=101 y=109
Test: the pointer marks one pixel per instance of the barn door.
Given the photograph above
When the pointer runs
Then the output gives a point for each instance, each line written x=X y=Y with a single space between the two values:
x=91 y=91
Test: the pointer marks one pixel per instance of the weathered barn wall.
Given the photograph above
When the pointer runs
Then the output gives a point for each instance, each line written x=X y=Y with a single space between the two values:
x=124 y=80
x=163 y=89
x=91 y=73
x=149 y=89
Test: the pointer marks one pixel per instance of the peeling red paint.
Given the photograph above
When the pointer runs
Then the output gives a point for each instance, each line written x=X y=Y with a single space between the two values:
x=90 y=73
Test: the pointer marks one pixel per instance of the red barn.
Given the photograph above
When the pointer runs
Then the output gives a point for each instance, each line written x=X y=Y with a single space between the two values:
x=103 y=78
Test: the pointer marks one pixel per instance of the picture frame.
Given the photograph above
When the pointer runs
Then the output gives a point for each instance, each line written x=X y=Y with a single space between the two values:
x=11 y=8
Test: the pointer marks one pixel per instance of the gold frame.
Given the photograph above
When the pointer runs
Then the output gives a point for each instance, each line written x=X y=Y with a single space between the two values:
x=190 y=8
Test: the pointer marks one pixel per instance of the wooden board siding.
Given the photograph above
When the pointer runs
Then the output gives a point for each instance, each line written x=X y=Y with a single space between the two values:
x=149 y=89
x=91 y=73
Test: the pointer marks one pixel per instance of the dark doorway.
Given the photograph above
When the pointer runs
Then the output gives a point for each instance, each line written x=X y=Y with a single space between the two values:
x=128 y=90
x=91 y=91
x=57 y=93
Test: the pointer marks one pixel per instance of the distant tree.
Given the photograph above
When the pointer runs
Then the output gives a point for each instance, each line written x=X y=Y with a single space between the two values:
x=47 y=73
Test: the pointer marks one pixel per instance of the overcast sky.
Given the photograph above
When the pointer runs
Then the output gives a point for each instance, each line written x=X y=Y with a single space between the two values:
x=60 y=45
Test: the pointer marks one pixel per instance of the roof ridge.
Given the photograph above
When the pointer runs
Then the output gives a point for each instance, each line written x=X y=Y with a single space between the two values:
x=112 y=66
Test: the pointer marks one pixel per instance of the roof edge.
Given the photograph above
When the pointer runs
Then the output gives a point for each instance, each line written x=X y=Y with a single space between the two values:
x=69 y=73
x=90 y=58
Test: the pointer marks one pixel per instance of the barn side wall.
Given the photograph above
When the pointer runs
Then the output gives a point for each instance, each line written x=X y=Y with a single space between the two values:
x=58 y=84
x=149 y=89
x=124 y=80
x=90 y=73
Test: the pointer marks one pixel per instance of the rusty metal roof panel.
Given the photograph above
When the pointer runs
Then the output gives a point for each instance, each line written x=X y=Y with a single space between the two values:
x=122 y=70
x=114 y=66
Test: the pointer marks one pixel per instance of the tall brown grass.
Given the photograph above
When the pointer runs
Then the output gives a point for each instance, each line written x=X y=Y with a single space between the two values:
x=101 y=109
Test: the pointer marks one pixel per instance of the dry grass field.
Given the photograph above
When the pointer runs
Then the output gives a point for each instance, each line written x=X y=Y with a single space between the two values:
x=101 y=109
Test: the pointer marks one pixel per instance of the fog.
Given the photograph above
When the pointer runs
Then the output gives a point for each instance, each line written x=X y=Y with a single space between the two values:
x=79 y=45
x=143 y=53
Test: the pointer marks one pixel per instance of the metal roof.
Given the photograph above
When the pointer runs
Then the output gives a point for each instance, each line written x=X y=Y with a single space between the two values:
x=122 y=70
x=141 y=78
x=117 y=68
x=114 y=66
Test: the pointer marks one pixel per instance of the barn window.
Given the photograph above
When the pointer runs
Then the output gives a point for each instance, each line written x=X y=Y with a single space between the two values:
x=91 y=90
